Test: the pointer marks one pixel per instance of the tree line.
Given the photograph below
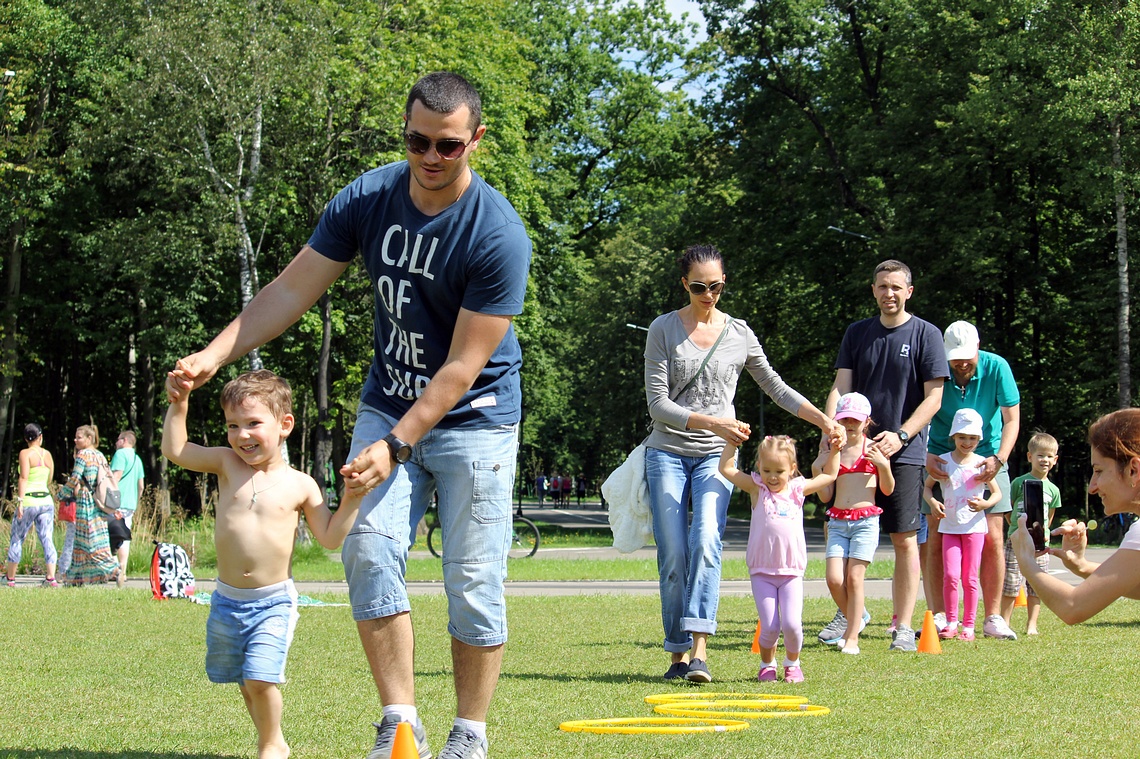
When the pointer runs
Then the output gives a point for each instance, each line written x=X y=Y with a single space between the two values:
x=159 y=161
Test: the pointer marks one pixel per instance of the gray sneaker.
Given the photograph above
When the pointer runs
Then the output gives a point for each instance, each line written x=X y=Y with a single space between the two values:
x=835 y=629
x=386 y=736
x=903 y=639
x=463 y=745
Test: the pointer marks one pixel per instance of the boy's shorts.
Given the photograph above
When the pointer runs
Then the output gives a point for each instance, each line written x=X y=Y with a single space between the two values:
x=249 y=632
x=1013 y=574
x=856 y=539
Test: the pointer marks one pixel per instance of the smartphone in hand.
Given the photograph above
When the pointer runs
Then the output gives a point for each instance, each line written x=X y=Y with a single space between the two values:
x=1034 y=495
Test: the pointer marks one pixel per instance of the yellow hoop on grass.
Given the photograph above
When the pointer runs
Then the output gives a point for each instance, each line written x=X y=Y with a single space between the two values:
x=662 y=725
x=673 y=698
x=751 y=709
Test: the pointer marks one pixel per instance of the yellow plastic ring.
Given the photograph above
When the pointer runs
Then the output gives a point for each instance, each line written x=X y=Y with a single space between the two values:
x=751 y=709
x=672 y=698
x=660 y=725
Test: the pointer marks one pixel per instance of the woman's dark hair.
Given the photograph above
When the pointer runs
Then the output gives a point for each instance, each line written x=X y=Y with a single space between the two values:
x=1116 y=436
x=445 y=92
x=698 y=254
x=32 y=431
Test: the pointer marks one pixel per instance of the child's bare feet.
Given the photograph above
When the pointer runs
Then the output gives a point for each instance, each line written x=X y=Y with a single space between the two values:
x=274 y=751
x=1031 y=631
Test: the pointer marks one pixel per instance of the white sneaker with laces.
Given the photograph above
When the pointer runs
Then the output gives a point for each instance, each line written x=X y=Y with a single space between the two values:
x=995 y=627
x=940 y=621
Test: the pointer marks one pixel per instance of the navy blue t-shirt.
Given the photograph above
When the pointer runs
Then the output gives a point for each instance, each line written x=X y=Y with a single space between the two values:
x=474 y=255
x=891 y=366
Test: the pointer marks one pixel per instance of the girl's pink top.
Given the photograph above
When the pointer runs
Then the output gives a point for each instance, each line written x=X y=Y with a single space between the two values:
x=776 y=544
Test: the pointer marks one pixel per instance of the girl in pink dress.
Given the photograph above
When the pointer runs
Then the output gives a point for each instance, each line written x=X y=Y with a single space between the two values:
x=777 y=551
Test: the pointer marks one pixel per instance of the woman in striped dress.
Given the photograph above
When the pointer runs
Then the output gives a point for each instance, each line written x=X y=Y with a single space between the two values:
x=91 y=559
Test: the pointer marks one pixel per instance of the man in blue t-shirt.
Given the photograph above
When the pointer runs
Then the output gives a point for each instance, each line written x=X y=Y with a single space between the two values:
x=127 y=471
x=896 y=360
x=448 y=258
x=984 y=382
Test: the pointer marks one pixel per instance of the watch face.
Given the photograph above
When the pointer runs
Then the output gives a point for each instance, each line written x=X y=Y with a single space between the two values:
x=401 y=451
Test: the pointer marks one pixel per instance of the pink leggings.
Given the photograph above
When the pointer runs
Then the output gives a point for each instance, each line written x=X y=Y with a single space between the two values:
x=780 y=605
x=961 y=558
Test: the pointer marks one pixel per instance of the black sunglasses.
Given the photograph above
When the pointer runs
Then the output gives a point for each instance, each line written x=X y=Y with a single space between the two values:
x=448 y=150
x=698 y=288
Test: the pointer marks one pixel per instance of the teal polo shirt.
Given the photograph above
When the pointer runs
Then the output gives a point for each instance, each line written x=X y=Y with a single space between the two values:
x=991 y=389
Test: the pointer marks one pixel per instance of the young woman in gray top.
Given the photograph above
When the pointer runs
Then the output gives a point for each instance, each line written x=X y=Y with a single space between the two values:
x=693 y=416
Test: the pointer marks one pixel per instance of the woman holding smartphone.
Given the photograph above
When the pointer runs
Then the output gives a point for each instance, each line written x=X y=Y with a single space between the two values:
x=1114 y=440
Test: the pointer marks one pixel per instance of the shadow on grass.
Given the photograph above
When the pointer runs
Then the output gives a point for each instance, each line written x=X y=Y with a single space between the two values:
x=1130 y=625
x=80 y=753
x=618 y=678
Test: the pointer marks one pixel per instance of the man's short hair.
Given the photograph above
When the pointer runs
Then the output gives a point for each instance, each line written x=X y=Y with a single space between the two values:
x=1044 y=442
x=890 y=266
x=261 y=385
x=130 y=437
x=445 y=92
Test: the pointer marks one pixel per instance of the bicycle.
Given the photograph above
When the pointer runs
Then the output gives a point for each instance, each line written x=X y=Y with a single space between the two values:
x=524 y=536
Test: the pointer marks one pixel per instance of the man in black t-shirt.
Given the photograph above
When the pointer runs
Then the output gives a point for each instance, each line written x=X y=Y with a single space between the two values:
x=897 y=361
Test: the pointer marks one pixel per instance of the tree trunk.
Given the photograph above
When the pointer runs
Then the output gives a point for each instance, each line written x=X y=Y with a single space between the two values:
x=1123 y=330
x=322 y=446
x=9 y=349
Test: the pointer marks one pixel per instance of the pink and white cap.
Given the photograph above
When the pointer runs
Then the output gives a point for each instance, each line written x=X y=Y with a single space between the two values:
x=853 y=406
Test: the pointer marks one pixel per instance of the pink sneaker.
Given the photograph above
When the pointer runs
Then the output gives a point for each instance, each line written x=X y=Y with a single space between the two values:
x=967 y=634
x=949 y=632
x=767 y=674
x=793 y=675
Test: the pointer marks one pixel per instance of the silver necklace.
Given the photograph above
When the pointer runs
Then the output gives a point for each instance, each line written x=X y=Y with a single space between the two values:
x=256 y=492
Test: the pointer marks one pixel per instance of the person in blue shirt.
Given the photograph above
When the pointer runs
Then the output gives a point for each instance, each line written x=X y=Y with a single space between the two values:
x=448 y=257
x=981 y=381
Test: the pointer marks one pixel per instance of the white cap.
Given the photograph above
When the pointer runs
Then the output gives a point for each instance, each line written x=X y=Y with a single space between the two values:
x=966 y=422
x=961 y=341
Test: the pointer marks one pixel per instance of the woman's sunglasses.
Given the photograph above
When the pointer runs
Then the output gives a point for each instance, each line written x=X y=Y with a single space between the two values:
x=448 y=150
x=698 y=288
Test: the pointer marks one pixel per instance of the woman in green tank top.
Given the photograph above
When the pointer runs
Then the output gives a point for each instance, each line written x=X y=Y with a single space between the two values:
x=35 y=506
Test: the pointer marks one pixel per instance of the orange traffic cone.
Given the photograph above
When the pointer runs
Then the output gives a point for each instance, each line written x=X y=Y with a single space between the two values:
x=756 y=639
x=928 y=642
x=404 y=746
x=1021 y=602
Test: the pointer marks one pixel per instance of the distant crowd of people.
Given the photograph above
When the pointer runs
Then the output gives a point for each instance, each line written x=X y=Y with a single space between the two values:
x=96 y=539
x=560 y=488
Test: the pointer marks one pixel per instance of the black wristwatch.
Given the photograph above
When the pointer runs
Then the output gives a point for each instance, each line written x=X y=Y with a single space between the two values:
x=904 y=437
x=400 y=450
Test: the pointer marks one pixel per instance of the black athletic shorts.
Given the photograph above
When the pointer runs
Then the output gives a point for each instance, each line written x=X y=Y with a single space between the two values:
x=902 y=508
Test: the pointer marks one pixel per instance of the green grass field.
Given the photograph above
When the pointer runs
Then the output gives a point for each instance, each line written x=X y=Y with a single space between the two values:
x=103 y=674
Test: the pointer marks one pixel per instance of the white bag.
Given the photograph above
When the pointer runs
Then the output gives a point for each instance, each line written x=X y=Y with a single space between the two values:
x=627 y=496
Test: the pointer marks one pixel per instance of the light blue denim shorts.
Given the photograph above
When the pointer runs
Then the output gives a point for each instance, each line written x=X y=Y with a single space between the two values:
x=852 y=539
x=249 y=631
x=472 y=471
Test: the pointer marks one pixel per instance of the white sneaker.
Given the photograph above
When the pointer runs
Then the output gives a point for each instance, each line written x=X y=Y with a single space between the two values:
x=940 y=621
x=995 y=627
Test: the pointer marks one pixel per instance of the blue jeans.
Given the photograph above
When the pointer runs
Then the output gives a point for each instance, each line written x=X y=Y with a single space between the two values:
x=473 y=472
x=688 y=557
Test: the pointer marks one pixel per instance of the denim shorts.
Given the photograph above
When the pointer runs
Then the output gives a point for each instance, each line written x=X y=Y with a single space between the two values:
x=472 y=471
x=852 y=539
x=249 y=631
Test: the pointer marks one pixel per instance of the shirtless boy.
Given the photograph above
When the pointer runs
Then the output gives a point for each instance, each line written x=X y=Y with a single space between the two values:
x=253 y=610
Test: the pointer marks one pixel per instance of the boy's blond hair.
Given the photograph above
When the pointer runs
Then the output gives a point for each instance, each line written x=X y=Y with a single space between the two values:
x=1044 y=442
x=261 y=385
